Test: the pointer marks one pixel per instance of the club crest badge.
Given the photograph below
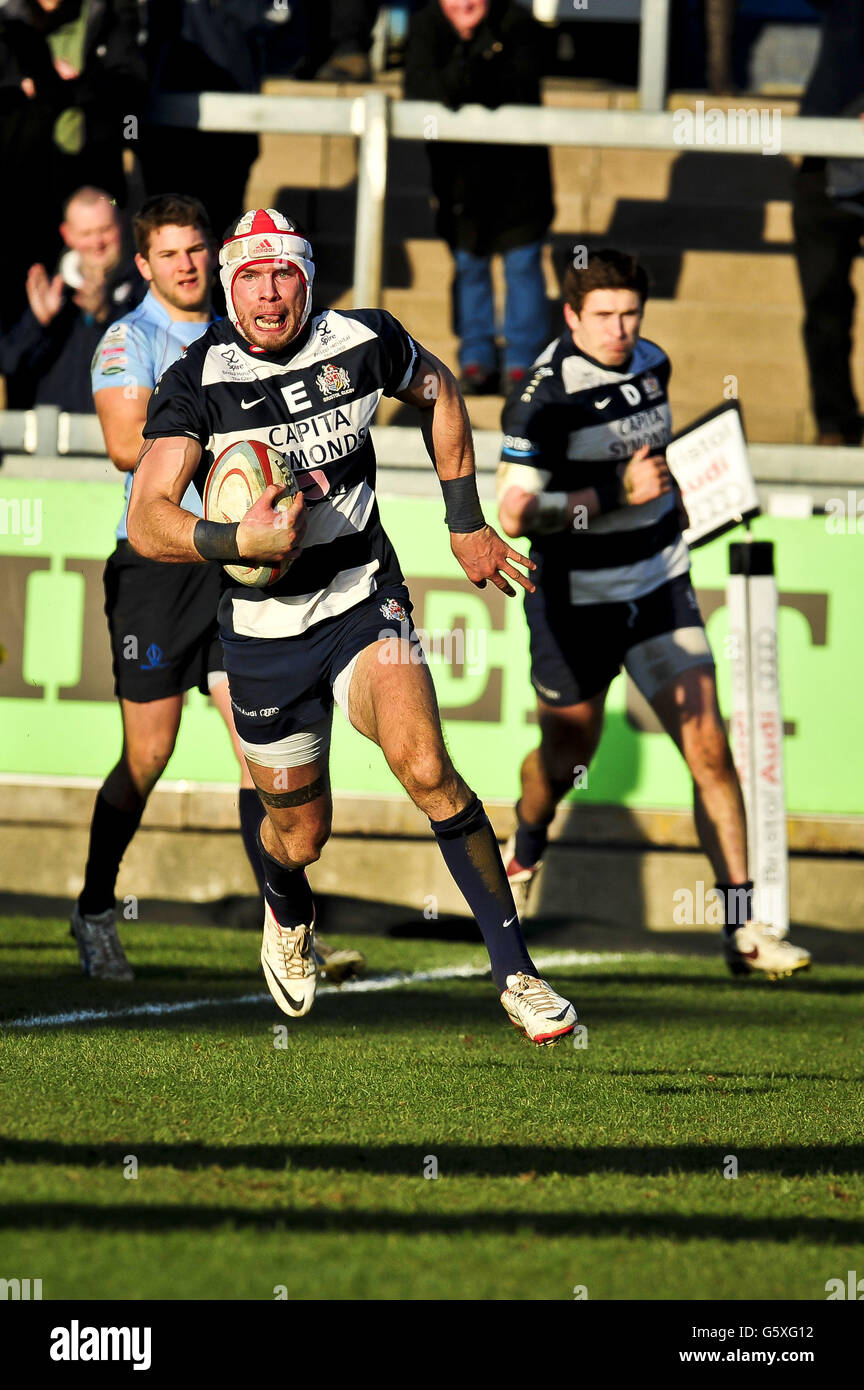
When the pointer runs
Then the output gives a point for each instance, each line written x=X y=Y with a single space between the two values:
x=333 y=381
x=393 y=609
x=651 y=386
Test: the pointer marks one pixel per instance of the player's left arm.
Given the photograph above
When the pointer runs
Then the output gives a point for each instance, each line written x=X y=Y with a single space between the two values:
x=481 y=552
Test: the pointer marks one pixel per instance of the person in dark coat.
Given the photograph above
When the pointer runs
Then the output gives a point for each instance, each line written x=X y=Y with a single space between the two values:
x=92 y=73
x=828 y=217
x=28 y=104
x=46 y=356
x=72 y=77
x=205 y=46
x=491 y=199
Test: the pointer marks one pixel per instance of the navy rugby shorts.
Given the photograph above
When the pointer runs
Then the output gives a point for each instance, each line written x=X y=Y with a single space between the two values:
x=162 y=621
x=577 y=649
x=282 y=686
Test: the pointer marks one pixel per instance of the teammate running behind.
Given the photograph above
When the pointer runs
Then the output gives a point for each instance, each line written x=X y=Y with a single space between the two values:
x=583 y=474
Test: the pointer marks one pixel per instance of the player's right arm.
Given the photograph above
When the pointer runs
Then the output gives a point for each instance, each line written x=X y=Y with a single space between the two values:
x=122 y=376
x=535 y=445
x=526 y=508
x=176 y=431
x=122 y=415
x=534 y=439
x=160 y=529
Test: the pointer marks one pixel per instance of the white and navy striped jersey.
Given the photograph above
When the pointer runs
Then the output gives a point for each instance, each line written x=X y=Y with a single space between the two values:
x=314 y=402
x=573 y=423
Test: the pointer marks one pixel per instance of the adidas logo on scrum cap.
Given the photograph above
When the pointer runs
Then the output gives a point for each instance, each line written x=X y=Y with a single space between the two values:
x=264 y=233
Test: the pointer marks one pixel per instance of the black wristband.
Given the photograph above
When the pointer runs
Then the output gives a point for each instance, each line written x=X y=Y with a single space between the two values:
x=462 y=510
x=611 y=496
x=217 y=540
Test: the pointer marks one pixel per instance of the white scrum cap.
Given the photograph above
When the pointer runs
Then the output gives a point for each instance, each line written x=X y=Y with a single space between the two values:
x=261 y=235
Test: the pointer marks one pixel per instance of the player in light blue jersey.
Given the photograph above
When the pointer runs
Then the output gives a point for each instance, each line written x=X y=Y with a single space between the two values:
x=162 y=618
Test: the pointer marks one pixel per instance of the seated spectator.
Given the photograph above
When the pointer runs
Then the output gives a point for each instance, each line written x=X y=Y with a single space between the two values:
x=46 y=356
x=491 y=198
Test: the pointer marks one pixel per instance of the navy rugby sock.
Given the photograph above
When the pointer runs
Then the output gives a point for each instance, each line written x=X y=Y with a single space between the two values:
x=251 y=816
x=287 y=891
x=110 y=833
x=471 y=853
x=737 y=904
x=530 y=840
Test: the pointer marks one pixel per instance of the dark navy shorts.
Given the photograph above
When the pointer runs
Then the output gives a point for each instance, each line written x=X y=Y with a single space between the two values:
x=162 y=621
x=577 y=649
x=282 y=687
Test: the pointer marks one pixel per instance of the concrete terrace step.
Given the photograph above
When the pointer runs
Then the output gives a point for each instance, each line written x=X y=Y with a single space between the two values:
x=715 y=231
x=628 y=865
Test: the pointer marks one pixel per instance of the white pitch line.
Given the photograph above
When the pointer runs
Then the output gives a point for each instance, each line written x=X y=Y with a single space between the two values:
x=375 y=985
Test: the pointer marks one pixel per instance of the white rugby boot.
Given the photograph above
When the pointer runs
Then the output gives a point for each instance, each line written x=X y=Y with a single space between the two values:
x=290 y=968
x=337 y=965
x=534 y=1008
x=99 y=950
x=755 y=950
x=519 y=878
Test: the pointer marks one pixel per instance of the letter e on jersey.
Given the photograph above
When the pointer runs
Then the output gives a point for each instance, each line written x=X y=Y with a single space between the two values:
x=295 y=396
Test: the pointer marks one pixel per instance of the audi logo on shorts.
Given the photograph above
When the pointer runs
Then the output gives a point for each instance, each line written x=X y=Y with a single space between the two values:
x=255 y=713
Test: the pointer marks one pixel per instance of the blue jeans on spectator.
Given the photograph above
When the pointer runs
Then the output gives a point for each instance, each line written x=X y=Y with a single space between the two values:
x=526 y=317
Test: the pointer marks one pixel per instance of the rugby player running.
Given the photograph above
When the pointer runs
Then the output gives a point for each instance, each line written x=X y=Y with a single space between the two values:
x=162 y=619
x=583 y=474
x=310 y=385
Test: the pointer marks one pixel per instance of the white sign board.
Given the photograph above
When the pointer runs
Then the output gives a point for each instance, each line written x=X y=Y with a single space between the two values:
x=710 y=464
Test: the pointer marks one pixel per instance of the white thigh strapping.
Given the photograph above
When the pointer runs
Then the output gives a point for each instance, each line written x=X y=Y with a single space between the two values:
x=342 y=685
x=295 y=750
x=652 y=664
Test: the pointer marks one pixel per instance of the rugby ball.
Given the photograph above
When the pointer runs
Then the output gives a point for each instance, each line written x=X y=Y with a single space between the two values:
x=236 y=480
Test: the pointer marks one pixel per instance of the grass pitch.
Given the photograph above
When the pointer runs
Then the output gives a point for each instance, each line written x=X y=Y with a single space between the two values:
x=266 y=1171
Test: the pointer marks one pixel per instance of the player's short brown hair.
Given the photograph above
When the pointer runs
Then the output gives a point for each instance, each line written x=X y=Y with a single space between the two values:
x=168 y=210
x=604 y=270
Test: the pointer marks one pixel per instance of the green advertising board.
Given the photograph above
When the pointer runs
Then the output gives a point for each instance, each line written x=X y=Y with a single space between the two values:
x=58 y=716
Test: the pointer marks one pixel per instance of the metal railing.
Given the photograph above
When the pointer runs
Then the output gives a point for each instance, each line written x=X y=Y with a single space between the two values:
x=375 y=118
x=49 y=443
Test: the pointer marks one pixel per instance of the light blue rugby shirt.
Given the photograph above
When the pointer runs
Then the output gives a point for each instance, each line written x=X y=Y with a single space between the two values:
x=135 y=351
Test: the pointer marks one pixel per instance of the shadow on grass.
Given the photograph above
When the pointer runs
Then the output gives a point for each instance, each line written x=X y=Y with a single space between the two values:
x=662 y=1226
x=468 y=1160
